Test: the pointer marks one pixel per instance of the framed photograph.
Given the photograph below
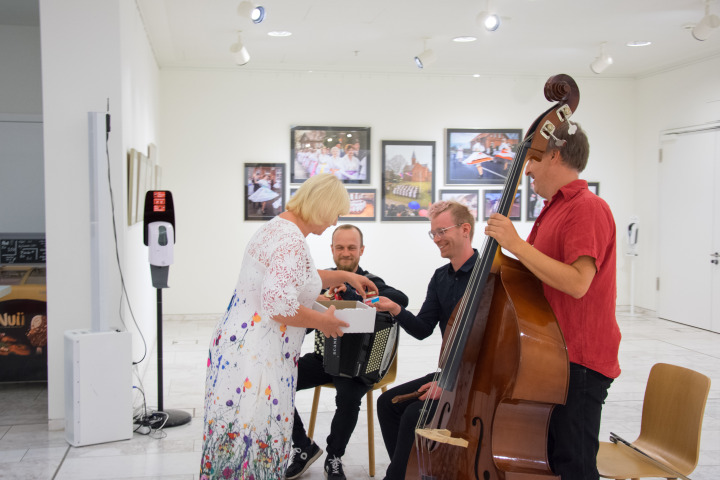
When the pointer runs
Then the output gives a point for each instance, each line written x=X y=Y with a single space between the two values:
x=408 y=183
x=492 y=196
x=133 y=164
x=594 y=187
x=479 y=156
x=342 y=151
x=534 y=204
x=469 y=198
x=362 y=205
x=264 y=190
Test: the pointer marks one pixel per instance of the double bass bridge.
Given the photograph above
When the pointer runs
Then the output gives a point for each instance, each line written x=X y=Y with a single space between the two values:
x=441 y=435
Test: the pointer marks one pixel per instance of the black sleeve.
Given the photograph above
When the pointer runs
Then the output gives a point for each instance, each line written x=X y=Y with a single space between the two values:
x=422 y=325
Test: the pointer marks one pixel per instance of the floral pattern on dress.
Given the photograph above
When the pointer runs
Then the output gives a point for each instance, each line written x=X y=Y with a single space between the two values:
x=252 y=359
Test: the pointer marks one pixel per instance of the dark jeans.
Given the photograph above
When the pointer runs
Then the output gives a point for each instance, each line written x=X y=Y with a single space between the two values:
x=397 y=423
x=573 y=441
x=348 y=397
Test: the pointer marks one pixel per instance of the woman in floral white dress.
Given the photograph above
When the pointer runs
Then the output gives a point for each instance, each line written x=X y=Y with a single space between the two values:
x=252 y=361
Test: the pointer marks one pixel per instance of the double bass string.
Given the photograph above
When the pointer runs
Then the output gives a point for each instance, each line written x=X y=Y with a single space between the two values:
x=452 y=349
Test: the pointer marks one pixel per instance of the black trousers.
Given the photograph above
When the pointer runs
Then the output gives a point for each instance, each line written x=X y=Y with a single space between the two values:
x=349 y=393
x=573 y=441
x=397 y=423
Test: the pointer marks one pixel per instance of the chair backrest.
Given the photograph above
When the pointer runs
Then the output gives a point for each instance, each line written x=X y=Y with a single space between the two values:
x=392 y=370
x=672 y=415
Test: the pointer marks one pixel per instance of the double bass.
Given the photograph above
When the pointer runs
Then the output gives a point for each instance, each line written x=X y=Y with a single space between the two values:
x=504 y=364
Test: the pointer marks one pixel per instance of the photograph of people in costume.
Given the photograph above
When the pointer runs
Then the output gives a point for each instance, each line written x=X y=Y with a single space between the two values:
x=475 y=156
x=342 y=151
x=264 y=190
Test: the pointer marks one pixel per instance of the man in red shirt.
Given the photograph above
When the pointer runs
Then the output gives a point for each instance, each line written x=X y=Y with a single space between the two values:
x=571 y=249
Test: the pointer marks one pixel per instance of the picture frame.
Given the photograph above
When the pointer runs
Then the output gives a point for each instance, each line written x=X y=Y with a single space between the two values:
x=479 y=156
x=469 y=198
x=594 y=187
x=264 y=190
x=408 y=179
x=490 y=198
x=363 y=203
x=534 y=204
x=342 y=151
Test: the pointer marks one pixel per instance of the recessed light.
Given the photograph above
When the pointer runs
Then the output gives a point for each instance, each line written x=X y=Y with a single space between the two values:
x=476 y=75
x=641 y=43
x=464 y=39
x=279 y=33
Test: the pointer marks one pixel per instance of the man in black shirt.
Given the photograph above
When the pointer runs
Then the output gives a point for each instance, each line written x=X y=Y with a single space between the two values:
x=451 y=228
x=347 y=247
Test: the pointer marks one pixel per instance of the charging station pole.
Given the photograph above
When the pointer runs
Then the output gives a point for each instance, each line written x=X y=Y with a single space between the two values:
x=159 y=236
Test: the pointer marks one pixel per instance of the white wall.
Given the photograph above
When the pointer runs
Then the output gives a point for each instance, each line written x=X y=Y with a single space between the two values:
x=679 y=98
x=91 y=51
x=214 y=121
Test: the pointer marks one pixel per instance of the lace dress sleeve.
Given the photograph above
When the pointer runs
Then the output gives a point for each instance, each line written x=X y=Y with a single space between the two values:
x=287 y=272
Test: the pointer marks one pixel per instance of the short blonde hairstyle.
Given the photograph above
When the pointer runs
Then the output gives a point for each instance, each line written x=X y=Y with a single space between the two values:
x=321 y=199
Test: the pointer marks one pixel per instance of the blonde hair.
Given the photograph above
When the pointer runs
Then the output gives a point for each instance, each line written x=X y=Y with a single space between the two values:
x=321 y=199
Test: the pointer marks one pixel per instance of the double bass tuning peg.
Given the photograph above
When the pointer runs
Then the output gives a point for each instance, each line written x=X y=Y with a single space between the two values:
x=564 y=113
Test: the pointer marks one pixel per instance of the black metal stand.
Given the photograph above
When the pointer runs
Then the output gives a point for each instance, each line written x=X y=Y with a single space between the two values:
x=174 y=417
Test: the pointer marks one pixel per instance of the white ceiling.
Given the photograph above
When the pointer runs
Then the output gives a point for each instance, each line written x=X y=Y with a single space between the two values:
x=537 y=37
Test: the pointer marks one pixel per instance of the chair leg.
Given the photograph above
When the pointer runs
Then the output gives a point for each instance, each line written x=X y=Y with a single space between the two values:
x=371 y=433
x=313 y=412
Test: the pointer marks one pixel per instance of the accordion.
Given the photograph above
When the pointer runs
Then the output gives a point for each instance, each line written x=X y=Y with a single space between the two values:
x=366 y=356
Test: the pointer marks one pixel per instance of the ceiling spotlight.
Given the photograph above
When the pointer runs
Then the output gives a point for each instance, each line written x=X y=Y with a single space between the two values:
x=241 y=54
x=426 y=58
x=488 y=19
x=707 y=25
x=602 y=61
x=256 y=13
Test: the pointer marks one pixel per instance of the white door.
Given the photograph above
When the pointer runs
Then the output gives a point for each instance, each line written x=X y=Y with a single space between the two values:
x=689 y=230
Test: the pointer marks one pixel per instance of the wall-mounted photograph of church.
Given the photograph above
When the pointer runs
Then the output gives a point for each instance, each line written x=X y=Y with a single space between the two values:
x=408 y=184
x=480 y=156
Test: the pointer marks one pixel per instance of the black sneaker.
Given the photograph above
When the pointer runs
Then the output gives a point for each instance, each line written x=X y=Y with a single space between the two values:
x=333 y=468
x=302 y=459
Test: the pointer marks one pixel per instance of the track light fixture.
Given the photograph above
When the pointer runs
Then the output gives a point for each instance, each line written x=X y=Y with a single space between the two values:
x=426 y=58
x=241 y=54
x=707 y=25
x=602 y=61
x=489 y=20
x=255 y=13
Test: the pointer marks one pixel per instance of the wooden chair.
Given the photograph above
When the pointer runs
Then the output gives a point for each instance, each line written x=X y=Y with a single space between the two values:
x=670 y=428
x=382 y=385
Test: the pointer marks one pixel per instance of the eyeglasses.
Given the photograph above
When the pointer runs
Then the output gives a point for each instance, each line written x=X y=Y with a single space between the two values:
x=440 y=232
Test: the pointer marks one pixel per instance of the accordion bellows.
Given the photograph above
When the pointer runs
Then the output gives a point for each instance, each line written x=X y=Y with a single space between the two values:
x=366 y=356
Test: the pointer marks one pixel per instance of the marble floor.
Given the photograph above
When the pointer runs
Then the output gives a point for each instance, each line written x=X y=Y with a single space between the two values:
x=28 y=450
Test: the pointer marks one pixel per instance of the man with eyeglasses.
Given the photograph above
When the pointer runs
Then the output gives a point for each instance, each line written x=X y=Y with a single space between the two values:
x=451 y=228
x=347 y=248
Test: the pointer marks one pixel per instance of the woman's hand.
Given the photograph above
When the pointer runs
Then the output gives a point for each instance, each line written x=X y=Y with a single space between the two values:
x=361 y=284
x=330 y=324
